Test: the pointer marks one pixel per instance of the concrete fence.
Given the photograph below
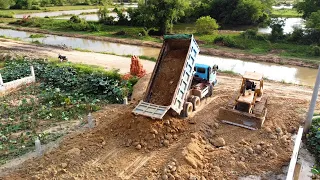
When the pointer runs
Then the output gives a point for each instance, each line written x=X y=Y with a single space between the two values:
x=12 y=85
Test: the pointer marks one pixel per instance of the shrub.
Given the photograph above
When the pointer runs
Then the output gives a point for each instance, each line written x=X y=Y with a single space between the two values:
x=313 y=139
x=296 y=35
x=35 y=8
x=225 y=41
x=206 y=25
x=277 y=29
x=315 y=50
x=75 y=19
x=250 y=34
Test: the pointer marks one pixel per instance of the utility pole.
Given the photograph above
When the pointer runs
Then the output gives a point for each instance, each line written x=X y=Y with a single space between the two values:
x=308 y=121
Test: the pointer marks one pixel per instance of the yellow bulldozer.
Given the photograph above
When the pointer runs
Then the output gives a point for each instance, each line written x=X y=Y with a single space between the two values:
x=248 y=106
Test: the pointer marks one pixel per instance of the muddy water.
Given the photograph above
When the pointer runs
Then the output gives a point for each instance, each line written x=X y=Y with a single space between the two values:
x=292 y=74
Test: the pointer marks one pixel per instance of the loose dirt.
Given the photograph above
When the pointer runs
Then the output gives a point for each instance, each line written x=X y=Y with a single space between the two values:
x=167 y=78
x=124 y=146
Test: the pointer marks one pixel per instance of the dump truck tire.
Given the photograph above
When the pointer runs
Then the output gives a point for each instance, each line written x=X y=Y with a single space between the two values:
x=210 y=91
x=195 y=102
x=187 y=109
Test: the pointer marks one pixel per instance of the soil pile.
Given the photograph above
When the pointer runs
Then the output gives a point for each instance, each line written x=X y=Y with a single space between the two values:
x=167 y=78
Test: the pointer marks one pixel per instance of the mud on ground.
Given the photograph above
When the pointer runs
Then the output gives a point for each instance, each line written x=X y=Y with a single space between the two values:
x=124 y=146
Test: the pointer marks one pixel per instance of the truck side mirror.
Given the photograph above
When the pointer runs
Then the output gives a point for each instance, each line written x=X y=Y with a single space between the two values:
x=215 y=67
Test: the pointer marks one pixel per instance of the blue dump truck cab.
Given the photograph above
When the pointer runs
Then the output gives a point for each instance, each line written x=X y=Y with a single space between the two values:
x=206 y=71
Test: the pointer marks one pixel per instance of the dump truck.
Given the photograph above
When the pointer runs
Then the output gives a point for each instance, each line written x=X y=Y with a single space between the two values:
x=248 y=106
x=178 y=83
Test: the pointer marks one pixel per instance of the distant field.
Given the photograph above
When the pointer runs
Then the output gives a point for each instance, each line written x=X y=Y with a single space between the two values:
x=47 y=9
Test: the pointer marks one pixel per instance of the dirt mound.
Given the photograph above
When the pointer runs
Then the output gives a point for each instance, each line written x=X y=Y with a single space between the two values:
x=140 y=88
x=167 y=78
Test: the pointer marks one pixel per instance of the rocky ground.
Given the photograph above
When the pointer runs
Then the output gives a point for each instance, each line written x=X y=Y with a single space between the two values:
x=125 y=146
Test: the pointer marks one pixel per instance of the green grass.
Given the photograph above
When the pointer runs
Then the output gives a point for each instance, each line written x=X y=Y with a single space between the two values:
x=228 y=72
x=7 y=20
x=286 y=13
x=6 y=14
x=37 y=36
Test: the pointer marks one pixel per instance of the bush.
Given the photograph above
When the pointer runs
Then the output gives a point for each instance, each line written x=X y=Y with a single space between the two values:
x=75 y=19
x=313 y=139
x=277 y=29
x=250 y=34
x=35 y=8
x=226 y=41
x=315 y=50
x=206 y=25
x=296 y=35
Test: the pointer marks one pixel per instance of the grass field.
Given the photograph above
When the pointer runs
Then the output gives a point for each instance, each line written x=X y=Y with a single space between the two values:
x=285 y=13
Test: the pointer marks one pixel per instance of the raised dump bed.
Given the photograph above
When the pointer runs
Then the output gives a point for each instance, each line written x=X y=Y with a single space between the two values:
x=171 y=78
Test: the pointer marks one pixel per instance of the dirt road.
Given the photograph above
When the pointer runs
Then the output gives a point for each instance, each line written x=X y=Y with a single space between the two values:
x=123 y=146
x=104 y=60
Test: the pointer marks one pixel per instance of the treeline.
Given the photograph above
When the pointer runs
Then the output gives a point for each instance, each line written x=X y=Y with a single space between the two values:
x=164 y=13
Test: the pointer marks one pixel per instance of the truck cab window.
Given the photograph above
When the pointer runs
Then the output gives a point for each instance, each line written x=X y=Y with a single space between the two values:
x=201 y=70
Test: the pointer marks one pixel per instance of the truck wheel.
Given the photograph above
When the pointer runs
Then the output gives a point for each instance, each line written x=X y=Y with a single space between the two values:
x=187 y=109
x=210 y=91
x=195 y=102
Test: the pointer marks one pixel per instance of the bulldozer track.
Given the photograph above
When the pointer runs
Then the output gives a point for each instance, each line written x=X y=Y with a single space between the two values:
x=132 y=168
x=107 y=155
x=260 y=107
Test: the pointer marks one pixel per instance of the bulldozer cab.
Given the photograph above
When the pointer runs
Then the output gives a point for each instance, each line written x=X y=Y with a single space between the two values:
x=250 y=91
x=252 y=83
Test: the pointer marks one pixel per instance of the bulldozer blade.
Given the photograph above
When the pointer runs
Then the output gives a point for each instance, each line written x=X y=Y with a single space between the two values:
x=241 y=119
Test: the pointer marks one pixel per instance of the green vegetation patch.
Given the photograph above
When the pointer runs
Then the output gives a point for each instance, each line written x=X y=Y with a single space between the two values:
x=6 y=14
x=63 y=92
x=288 y=13
x=313 y=142
x=37 y=36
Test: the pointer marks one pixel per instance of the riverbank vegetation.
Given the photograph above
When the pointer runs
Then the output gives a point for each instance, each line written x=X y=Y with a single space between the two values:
x=298 y=44
x=313 y=142
x=62 y=93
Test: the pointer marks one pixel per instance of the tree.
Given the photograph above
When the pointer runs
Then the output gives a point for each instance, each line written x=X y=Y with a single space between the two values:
x=206 y=25
x=58 y=2
x=240 y=12
x=277 y=29
x=307 y=7
x=5 y=4
x=248 y=12
x=314 y=21
x=45 y=3
x=159 y=13
x=23 y=4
